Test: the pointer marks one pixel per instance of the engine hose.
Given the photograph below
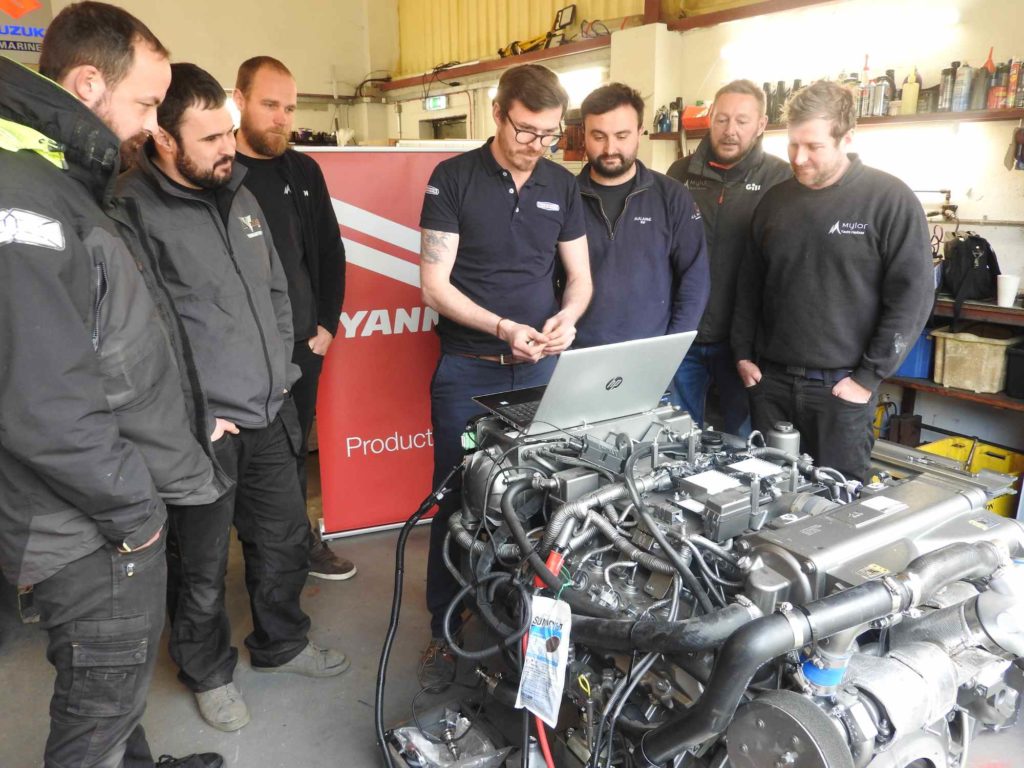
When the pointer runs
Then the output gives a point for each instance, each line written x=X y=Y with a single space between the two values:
x=578 y=603
x=470 y=543
x=506 y=642
x=767 y=638
x=702 y=633
x=604 y=495
x=485 y=597
x=627 y=547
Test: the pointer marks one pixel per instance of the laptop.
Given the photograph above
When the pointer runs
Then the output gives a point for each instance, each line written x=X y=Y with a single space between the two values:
x=594 y=384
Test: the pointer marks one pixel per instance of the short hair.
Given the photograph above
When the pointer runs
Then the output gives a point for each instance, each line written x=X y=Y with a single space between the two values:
x=248 y=69
x=744 y=88
x=190 y=86
x=612 y=96
x=537 y=88
x=96 y=34
x=827 y=100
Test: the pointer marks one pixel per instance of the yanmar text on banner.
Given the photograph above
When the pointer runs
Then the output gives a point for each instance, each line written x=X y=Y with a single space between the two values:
x=373 y=407
x=22 y=26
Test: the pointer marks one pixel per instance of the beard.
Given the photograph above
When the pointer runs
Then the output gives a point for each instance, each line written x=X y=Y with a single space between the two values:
x=269 y=143
x=209 y=178
x=600 y=165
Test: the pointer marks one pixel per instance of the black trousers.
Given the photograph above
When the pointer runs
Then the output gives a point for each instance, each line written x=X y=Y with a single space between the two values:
x=836 y=432
x=103 y=614
x=197 y=561
x=456 y=380
x=304 y=395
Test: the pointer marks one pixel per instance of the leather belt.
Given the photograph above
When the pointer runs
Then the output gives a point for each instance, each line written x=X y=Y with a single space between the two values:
x=499 y=359
x=827 y=376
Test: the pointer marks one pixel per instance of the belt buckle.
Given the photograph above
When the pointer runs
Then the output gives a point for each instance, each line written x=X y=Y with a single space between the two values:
x=501 y=360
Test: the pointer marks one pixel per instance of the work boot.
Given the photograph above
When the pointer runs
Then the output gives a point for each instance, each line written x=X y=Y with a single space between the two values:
x=204 y=760
x=437 y=666
x=312 y=661
x=223 y=708
x=324 y=564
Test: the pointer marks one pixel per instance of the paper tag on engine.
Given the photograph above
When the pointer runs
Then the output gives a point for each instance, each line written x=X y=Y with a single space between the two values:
x=547 y=656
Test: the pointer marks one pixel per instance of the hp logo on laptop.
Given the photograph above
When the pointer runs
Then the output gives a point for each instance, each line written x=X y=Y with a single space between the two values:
x=613 y=383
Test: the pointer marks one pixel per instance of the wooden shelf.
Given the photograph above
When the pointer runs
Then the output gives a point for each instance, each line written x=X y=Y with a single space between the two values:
x=927 y=385
x=976 y=116
x=982 y=310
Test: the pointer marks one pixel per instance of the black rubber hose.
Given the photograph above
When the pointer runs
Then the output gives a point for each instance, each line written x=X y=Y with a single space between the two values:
x=506 y=642
x=396 y=609
x=578 y=603
x=697 y=634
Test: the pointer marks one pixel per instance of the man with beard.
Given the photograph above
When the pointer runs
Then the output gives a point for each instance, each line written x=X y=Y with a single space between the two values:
x=230 y=290
x=101 y=415
x=647 y=256
x=494 y=220
x=727 y=175
x=836 y=286
x=291 y=190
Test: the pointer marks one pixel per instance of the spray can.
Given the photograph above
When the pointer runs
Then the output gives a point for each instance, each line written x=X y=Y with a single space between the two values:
x=979 y=89
x=946 y=90
x=785 y=437
x=962 y=88
x=880 y=96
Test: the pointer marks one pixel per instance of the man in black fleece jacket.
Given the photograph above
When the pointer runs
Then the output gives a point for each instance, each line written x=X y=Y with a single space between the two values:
x=835 y=288
x=727 y=175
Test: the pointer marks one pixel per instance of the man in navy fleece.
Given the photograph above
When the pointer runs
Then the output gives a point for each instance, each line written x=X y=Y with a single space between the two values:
x=647 y=254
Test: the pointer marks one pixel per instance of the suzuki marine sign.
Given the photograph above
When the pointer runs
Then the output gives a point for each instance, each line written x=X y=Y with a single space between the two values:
x=22 y=26
x=373 y=409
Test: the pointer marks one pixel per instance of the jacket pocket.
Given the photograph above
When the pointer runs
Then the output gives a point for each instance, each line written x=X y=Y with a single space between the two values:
x=100 y=294
x=105 y=668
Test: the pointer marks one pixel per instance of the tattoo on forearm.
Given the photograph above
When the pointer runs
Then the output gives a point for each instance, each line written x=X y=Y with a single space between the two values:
x=435 y=246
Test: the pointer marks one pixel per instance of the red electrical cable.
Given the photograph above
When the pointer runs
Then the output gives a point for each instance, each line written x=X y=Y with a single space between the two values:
x=542 y=736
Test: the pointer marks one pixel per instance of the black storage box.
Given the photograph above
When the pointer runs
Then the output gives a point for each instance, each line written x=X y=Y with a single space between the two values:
x=1015 y=371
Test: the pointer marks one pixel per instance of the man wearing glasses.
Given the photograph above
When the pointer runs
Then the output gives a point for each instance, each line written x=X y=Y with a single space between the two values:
x=493 y=221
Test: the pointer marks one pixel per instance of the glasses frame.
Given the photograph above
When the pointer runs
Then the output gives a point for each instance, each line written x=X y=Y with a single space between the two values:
x=547 y=140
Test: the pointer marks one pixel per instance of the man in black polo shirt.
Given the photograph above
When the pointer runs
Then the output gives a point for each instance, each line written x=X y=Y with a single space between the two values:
x=835 y=287
x=291 y=190
x=493 y=221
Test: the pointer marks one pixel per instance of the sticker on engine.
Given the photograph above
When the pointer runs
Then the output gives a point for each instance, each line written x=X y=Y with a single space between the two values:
x=873 y=571
x=547 y=656
x=983 y=524
x=883 y=504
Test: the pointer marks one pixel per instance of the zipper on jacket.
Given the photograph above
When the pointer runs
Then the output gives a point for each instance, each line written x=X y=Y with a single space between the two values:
x=222 y=228
x=604 y=216
x=101 y=295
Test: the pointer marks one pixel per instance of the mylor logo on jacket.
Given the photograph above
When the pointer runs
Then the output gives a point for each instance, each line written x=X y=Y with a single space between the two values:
x=848 y=228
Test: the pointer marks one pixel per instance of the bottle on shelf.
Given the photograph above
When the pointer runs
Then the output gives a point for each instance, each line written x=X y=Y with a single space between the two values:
x=997 y=87
x=979 y=89
x=864 y=103
x=911 y=89
x=946 y=90
x=962 y=88
x=780 y=101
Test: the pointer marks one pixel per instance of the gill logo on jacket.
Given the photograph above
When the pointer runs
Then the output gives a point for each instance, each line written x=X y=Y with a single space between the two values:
x=27 y=228
x=848 y=228
x=252 y=225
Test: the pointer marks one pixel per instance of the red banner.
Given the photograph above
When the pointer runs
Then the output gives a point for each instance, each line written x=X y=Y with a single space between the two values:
x=373 y=408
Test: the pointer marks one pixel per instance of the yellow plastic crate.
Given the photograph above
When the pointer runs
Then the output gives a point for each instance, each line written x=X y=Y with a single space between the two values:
x=975 y=456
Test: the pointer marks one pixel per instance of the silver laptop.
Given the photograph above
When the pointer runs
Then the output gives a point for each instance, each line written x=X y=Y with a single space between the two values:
x=594 y=384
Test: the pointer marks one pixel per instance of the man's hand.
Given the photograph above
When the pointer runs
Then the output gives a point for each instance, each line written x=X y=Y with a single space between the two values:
x=153 y=540
x=527 y=343
x=749 y=373
x=220 y=427
x=561 y=332
x=849 y=390
x=321 y=342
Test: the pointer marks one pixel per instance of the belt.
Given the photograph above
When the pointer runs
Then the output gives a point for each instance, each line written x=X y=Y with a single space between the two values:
x=499 y=359
x=825 y=375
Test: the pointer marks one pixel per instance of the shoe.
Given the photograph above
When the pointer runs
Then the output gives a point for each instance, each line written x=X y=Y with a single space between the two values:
x=437 y=666
x=204 y=760
x=223 y=708
x=312 y=662
x=324 y=564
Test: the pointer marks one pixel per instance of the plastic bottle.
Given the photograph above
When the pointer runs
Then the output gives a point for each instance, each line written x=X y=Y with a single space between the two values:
x=962 y=88
x=864 y=103
x=673 y=117
x=911 y=90
x=997 y=87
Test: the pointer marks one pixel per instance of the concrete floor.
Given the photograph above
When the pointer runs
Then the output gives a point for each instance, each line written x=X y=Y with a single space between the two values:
x=296 y=722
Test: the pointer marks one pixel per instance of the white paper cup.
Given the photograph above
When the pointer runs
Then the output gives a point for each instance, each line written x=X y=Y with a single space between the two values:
x=1006 y=289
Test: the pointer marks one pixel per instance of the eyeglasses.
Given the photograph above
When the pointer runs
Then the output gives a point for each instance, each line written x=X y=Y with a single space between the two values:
x=524 y=136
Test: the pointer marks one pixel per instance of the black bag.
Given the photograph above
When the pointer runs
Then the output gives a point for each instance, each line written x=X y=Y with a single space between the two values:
x=969 y=271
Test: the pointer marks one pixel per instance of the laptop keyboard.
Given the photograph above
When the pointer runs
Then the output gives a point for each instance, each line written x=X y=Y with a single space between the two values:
x=520 y=413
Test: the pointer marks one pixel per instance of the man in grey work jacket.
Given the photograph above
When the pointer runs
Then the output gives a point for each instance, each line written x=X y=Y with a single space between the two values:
x=101 y=416
x=727 y=175
x=230 y=290
x=647 y=256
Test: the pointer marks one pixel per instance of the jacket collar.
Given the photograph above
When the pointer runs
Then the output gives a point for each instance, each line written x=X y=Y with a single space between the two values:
x=156 y=177
x=644 y=178
x=90 y=148
x=701 y=159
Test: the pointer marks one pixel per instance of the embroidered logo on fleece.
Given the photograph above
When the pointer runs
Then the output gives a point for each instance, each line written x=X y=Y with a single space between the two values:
x=253 y=226
x=547 y=206
x=848 y=228
x=27 y=228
